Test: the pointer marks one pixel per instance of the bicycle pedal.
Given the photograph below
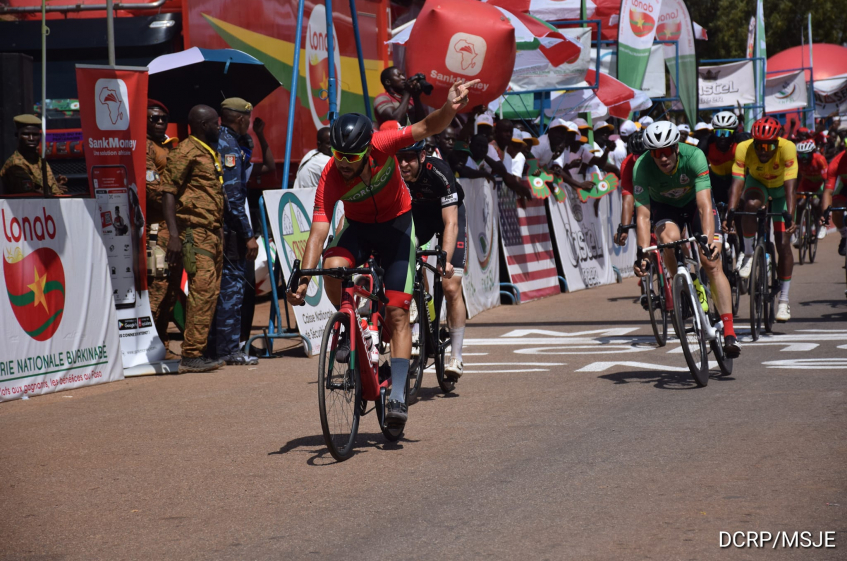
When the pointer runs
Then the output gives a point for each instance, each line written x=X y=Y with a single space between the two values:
x=342 y=355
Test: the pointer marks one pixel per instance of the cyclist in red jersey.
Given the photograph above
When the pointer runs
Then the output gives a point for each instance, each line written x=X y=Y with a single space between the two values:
x=812 y=174
x=364 y=173
x=834 y=194
x=635 y=145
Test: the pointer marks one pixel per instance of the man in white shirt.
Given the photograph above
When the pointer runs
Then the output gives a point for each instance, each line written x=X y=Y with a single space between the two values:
x=313 y=163
x=684 y=135
x=551 y=145
x=513 y=157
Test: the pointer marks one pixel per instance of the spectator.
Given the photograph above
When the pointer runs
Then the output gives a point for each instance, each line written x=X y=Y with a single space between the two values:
x=626 y=129
x=552 y=144
x=685 y=135
x=193 y=204
x=606 y=154
x=529 y=143
x=485 y=125
x=514 y=159
x=702 y=131
x=484 y=162
x=645 y=121
x=313 y=163
x=22 y=172
x=399 y=99
x=502 y=137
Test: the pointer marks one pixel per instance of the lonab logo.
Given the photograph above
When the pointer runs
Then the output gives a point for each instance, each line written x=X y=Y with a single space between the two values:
x=317 y=67
x=641 y=22
x=670 y=26
x=110 y=104
x=35 y=284
x=466 y=54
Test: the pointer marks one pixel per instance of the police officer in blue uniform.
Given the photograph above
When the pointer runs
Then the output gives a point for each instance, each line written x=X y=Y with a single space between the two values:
x=239 y=244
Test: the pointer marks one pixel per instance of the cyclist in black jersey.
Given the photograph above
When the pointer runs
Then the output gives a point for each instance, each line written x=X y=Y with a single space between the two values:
x=437 y=209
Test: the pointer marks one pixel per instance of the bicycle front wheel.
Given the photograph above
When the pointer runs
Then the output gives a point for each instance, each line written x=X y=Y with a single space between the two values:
x=339 y=388
x=420 y=324
x=813 y=238
x=770 y=291
x=757 y=284
x=446 y=383
x=656 y=303
x=693 y=338
x=803 y=235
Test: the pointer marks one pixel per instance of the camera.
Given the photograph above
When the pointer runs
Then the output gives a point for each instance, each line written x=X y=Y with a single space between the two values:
x=420 y=79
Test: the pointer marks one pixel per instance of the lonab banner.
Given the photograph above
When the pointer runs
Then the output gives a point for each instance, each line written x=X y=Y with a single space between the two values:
x=674 y=24
x=113 y=111
x=635 y=39
x=59 y=326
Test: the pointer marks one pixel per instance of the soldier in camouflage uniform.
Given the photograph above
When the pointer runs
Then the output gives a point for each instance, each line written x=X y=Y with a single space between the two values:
x=193 y=203
x=21 y=174
x=162 y=290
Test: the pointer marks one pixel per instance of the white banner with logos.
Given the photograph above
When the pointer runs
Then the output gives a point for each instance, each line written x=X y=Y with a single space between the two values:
x=786 y=93
x=622 y=257
x=830 y=96
x=653 y=83
x=290 y=218
x=481 y=282
x=580 y=230
x=726 y=85
x=57 y=312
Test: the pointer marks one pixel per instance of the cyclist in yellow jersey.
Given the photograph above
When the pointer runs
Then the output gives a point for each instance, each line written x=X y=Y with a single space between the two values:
x=765 y=169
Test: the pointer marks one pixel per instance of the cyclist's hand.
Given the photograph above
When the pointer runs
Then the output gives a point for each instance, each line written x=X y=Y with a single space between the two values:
x=448 y=272
x=714 y=250
x=620 y=238
x=640 y=267
x=298 y=298
x=790 y=229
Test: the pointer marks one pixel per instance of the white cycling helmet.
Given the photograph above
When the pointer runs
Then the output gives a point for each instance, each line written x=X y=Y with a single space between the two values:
x=806 y=147
x=661 y=134
x=725 y=120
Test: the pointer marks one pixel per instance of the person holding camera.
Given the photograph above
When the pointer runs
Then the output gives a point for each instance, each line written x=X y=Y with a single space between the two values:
x=401 y=100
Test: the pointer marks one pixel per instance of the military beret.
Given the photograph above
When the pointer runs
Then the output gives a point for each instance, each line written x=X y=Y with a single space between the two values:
x=237 y=104
x=154 y=103
x=26 y=121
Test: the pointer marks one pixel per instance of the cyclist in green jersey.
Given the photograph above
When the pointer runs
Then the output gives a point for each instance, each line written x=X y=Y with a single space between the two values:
x=672 y=179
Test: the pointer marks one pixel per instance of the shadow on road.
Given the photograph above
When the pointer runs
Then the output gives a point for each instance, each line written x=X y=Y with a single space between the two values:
x=321 y=457
x=662 y=380
x=428 y=394
x=825 y=318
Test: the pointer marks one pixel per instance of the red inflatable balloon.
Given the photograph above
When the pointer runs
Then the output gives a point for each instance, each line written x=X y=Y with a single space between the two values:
x=462 y=39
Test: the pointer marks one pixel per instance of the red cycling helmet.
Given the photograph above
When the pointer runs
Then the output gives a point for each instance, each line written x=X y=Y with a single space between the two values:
x=766 y=128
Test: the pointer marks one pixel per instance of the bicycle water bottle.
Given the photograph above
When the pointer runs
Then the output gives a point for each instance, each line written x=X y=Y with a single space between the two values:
x=701 y=294
x=430 y=308
x=373 y=349
x=366 y=335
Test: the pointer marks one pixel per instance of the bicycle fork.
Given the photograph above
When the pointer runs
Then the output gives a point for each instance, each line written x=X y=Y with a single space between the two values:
x=700 y=317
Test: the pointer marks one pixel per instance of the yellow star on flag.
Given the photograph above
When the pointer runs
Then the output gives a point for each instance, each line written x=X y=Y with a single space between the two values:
x=38 y=289
x=640 y=21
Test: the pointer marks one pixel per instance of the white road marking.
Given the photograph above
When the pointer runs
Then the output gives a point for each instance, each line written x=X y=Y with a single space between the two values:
x=809 y=364
x=789 y=347
x=603 y=366
x=583 y=350
x=473 y=354
x=611 y=332
x=501 y=371
x=517 y=364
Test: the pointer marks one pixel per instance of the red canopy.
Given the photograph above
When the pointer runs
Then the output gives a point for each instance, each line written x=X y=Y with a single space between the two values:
x=829 y=60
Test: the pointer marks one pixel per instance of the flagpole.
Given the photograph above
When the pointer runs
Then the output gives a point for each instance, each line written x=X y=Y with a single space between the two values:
x=583 y=14
x=811 y=78
x=110 y=31
x=44 y=31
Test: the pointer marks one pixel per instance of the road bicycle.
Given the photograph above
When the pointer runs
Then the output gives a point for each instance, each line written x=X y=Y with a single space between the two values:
x=826 y=215
x=656 y=296
x=348 y=378
x=429 y=339
x=694 y=326
x=763 y=284
x=807 y=227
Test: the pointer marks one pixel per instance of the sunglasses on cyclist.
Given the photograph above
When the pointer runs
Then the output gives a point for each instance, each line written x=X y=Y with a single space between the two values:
x=764 y=146
x=724 y=133
x=408 y=157
x=805 y=156
x=666 y=152
x=349 y=158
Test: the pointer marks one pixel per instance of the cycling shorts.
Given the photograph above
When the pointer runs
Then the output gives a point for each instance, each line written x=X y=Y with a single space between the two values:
x=661 y=213
x=426 y=231
x=757 y=189
x=721 y=185
x=393 y=242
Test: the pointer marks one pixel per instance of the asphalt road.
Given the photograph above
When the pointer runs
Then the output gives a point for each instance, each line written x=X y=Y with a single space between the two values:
x=570 y=436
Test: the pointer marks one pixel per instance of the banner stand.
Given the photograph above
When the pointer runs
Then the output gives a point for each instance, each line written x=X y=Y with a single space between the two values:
x=158 y=367
x=275 y=329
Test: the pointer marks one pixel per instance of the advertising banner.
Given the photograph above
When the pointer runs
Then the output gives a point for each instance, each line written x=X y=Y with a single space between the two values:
x=481 y=283
x=751 y=37
x=622 y=257
x=635 y=39
x=533 y=70
x=653 y=83
x=674 y=24
x=831 y=95
x=527 y=246
x=113 y=112
x=727 y=85
x=786 y=93
x=290 y=217
x=580 y=230
x=59 y=326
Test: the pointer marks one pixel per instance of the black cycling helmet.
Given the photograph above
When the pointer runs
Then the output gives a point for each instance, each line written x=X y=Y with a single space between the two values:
x=351 y=133
x=635 y=143
x=416 y=147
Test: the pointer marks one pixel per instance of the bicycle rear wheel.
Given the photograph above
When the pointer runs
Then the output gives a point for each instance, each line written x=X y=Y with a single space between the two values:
x=802 y=234
x=813 y=238
x=419 y=348
x=771 y=288
x=446 y=383
x=339 y=388
x=693 y=339
x=724 y=362
x=656 y=303
x=757 y=284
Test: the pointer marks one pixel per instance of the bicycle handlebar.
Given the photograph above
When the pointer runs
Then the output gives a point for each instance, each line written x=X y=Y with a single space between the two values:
x=624 y=227
x=373 y=270
x=701 y=239
x=832 y=209
x=437 y=252
x=762 y=213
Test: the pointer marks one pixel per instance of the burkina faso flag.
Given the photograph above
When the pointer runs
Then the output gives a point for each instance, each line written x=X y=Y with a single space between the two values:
x=35 y=285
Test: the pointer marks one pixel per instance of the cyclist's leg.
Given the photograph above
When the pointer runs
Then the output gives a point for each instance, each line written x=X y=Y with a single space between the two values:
x=396 y=247
x=838 y=220
x=453 y=290
x=344 y=251
x=785 y=263
x=668 y=228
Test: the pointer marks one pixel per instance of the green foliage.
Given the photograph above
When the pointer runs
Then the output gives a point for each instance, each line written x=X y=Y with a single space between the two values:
x=727 y=22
